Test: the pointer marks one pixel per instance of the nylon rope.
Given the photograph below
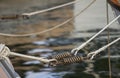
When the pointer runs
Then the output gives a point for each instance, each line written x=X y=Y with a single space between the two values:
x=49 y=9
x=75 y=50
x=93 y=54
x=26 y=15
x=50 y=29
x=5 y=52
x=109 y=54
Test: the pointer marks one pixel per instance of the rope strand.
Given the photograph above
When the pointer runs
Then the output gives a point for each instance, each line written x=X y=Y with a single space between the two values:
x=50 y=29
x=49 y=9
x=27 y=15
x=93 y=54
x=5 y=52
x=75 y=51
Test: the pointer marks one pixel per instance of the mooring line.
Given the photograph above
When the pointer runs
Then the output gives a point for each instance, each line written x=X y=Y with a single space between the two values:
x=50 y=29
x=5 y=52
x=49 y=9
x=93 y=54
x=75 y=50
x=27 y=15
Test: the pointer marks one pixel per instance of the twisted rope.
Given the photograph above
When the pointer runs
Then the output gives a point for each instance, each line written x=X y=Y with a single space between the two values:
x=75 y=50
x=49 y=9
x=5 y=52
x=27 y=15
x=93 y=54
x=50 y=29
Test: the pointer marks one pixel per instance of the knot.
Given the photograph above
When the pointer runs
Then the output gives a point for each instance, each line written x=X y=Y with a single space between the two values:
x=4 y=51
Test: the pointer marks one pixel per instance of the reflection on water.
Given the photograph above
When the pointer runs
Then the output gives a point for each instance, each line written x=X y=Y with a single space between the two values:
x=50 y=46
x=45 y=75
x=88 y=69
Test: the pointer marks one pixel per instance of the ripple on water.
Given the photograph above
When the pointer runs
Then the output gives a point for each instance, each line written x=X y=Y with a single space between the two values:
x=41 y=43
x=39 y=50
x=42 y=52
x=57 y=41
x=32 y=74
x=31 y=62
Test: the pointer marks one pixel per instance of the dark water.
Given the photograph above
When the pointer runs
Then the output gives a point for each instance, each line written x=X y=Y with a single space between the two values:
x=35 y=69
x=87 y=69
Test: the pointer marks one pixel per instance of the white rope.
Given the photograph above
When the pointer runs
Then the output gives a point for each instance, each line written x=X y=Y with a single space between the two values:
x=5 y=52
x=50 y=29
x=49 y=9
x=75 y=50
x=26 y=15
x=93 y=54
x=33 y=57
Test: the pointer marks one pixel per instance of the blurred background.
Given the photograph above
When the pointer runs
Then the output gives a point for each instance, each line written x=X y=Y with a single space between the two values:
x=62 y=39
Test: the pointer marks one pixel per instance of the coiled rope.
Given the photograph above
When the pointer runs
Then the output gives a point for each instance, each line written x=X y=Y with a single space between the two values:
x=50 y=29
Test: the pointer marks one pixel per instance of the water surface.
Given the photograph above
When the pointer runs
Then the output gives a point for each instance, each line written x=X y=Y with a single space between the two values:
x=87 y=24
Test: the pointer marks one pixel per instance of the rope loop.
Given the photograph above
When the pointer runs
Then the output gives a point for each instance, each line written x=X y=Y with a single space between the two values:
x=4 y=51
x=74 y=51
x=94 y=36
x=91 y=55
